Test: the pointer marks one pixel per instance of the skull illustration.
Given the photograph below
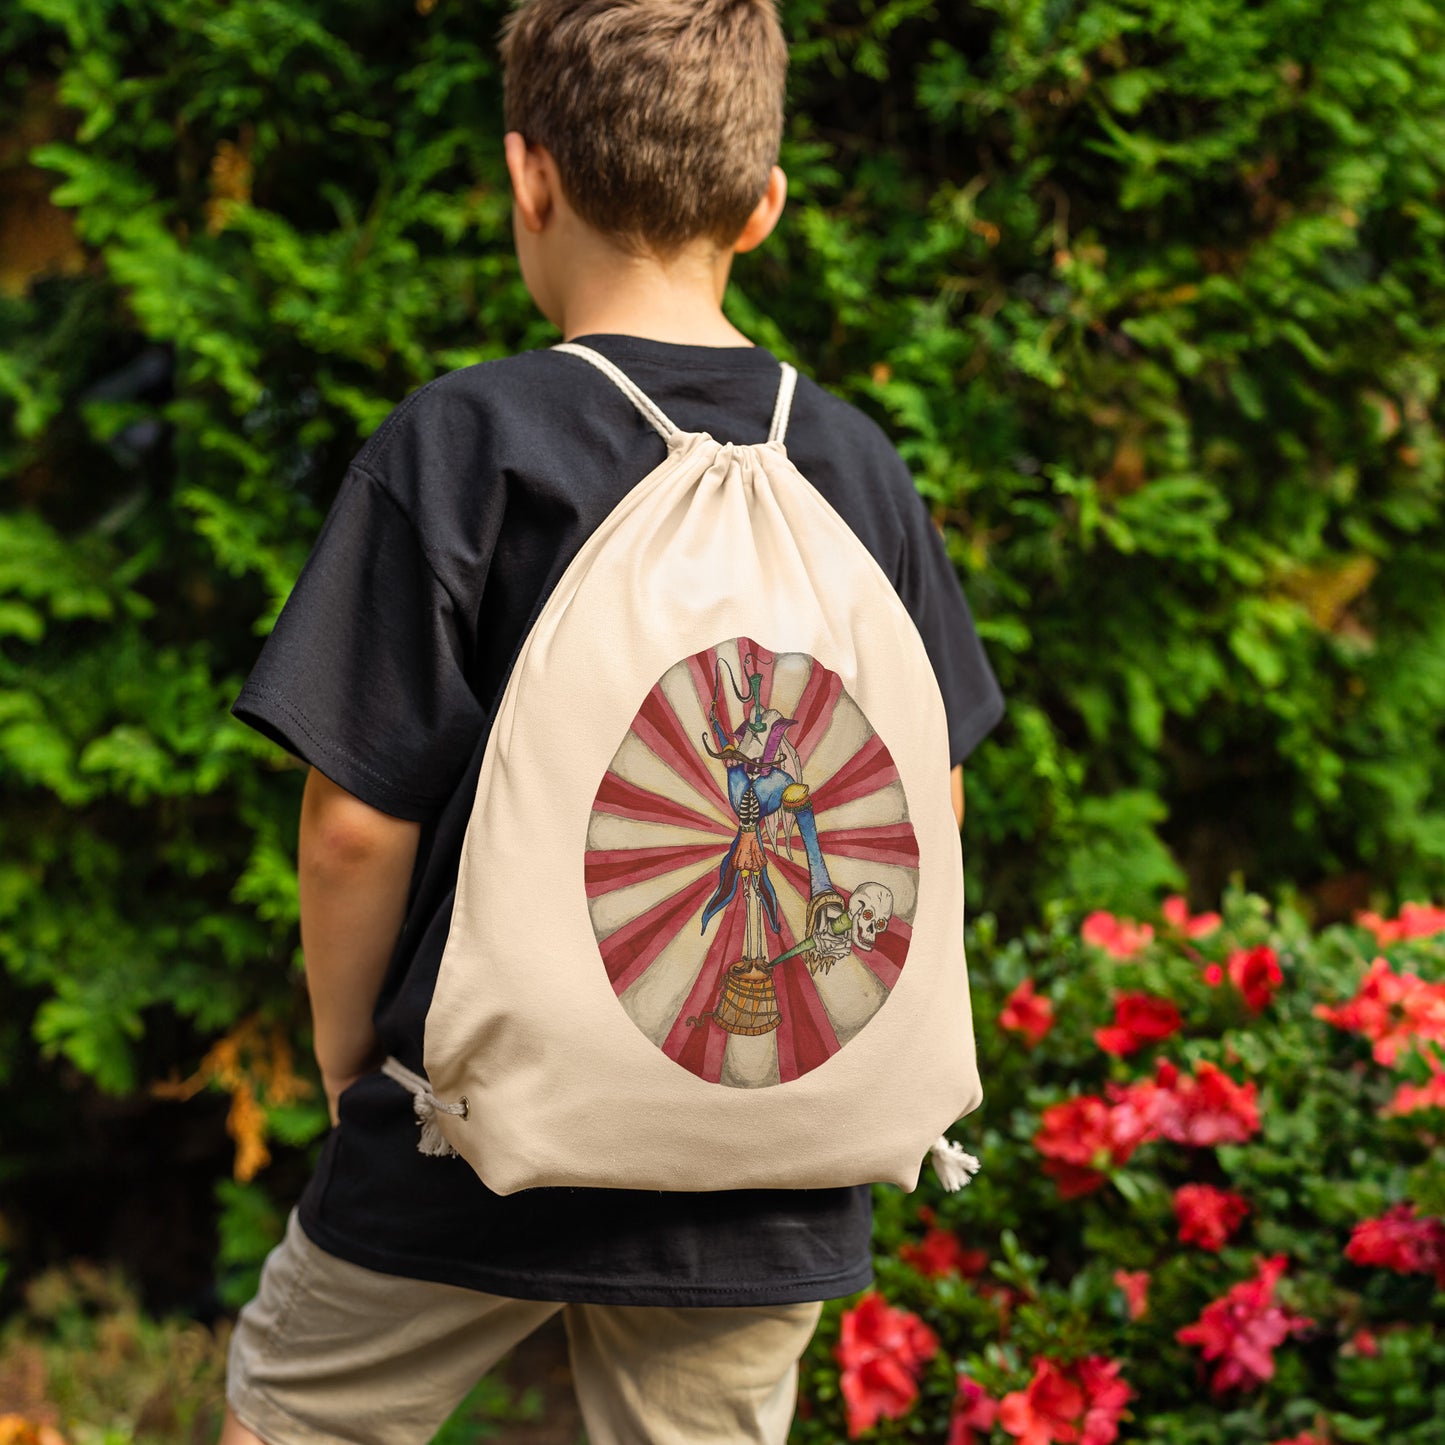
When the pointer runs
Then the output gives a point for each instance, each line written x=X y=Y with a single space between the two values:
x=871 y=906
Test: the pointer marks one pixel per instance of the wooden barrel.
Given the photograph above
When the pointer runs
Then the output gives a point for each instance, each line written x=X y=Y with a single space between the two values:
x=749 y=1003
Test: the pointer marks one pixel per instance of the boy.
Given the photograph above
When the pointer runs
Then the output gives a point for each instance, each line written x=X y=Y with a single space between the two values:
x=642 y=136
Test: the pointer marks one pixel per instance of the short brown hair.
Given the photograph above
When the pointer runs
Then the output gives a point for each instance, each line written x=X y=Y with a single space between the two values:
x=664 y=116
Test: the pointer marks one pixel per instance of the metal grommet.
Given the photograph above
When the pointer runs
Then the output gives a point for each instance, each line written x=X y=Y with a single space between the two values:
x=463 y=1102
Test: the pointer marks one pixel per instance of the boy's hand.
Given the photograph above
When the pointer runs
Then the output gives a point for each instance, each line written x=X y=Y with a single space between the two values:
x=336 y=1084
x=354 y=867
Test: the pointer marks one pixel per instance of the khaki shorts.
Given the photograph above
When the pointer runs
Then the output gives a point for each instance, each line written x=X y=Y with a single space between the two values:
x=330 y=1353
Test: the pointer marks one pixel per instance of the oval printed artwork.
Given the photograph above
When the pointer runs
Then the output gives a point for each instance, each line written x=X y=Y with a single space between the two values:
x=751 y=870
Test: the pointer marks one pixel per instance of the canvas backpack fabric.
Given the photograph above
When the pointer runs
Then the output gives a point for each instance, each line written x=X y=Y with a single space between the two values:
x=708 y=924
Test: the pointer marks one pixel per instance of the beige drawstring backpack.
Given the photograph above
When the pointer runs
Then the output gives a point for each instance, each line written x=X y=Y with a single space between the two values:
x=708 y=929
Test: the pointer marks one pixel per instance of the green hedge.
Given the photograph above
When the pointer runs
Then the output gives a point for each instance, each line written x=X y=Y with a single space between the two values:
x=1149 y=293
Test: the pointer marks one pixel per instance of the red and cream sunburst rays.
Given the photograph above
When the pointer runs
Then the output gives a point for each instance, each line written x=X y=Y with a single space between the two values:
x=659 y=829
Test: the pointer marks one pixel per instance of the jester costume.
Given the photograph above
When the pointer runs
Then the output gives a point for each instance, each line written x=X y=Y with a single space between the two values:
x=764 y=776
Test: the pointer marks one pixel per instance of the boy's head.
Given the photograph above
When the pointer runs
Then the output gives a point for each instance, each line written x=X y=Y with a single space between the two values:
x=663 y=117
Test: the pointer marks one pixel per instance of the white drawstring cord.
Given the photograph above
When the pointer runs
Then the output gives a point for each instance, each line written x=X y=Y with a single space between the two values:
x=427 y=1106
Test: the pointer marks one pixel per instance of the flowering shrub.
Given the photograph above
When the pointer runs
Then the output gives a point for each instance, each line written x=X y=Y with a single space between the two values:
x=1212 y=1203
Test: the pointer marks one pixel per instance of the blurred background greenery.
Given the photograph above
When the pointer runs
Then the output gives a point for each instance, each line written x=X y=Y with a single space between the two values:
x=1149 y=292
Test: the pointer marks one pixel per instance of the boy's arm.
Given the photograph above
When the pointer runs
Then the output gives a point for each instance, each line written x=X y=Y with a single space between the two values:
x=957 y=777
x=354 y=866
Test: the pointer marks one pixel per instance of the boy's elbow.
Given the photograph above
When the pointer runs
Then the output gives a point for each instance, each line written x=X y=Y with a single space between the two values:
x=337 y=845
x=341 y=835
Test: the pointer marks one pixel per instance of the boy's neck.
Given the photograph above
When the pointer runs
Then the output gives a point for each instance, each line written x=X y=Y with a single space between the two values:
x=609 y=292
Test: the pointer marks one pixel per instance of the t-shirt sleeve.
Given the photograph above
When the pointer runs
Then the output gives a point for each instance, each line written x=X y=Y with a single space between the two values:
x=364 y=676
x=930 y=589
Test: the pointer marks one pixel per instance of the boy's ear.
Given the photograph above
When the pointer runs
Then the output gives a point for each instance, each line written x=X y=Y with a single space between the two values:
x=765 y=214
x=531 y=170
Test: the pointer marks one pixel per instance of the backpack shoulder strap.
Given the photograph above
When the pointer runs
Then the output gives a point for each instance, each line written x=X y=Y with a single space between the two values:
x=654 y=414
x=651 y=412
x=784 y=408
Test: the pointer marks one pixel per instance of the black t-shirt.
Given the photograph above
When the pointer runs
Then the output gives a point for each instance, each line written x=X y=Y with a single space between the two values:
x=452 y=526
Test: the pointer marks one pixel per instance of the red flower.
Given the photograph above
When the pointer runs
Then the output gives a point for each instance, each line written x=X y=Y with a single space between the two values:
x=1107 y=1395
x=1420 y=920
x=1400 y=1241
x=1214 y=975
x=941 y=1253
x=1383 y=929
x=1308 y=1438
x=1047 y=1410
x=1256 y=974
x=1024 y=1012
x=1209 y=1108
x=1079 y=1143
x=1135 y=1284
x=1208 y=1216
x=882 y=1351
x=973 y=1409
x=1132 y=1117
x=1176 y=914
x=1139 y=1019
x=1411 y=1098
x=1077 y=1403
x=1416 y=920
x=1363 y=1342
x=1083 y=1139
x=1243 y=1328
x=1392 y=1010
x=1120 y=937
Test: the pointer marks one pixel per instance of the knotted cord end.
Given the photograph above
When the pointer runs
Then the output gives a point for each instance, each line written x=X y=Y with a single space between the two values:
x=953 y=1164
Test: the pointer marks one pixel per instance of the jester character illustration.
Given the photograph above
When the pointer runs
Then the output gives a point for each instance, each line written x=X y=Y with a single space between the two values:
x=786 y=957
x=764 y=780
